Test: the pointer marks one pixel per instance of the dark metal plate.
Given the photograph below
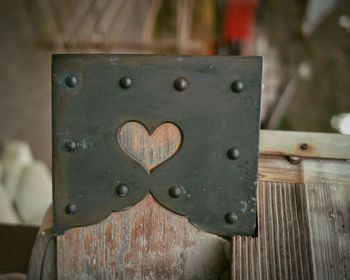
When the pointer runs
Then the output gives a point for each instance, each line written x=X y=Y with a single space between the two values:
x=89 y=106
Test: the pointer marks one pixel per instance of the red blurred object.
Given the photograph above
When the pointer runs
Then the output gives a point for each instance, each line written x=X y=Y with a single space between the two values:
x=239 y=19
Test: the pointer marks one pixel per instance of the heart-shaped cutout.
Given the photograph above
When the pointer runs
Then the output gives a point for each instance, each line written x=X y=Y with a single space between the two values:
x=149 y=150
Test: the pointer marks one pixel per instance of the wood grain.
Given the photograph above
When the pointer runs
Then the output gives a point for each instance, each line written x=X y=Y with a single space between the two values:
x=144 y=242
x=329 y=212
x=149 y=150
x=279 y=169
x=320 y=145
x=328 y=205
x=282 y=249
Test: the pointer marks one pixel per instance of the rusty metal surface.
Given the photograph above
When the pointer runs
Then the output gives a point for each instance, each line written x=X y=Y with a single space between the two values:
x=219 y=193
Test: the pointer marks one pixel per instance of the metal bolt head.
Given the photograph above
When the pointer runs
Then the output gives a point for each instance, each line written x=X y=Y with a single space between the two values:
x=122 y=190
x=237 y=86
x=71 y=81
x=70 y=208
x=180 y=84
x=294 y=159
x=304 y=146
x=125 y=82
x=233 y=153
x=175 y=192
x=231 y=217
x=71 y=145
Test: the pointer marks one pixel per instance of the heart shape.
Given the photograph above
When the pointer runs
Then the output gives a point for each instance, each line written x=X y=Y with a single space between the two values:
x=149 y=150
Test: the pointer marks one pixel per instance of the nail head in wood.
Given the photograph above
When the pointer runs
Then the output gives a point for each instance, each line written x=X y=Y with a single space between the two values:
x=294 y=159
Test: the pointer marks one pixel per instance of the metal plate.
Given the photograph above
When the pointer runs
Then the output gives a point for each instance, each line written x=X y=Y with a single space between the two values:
x=212 y=117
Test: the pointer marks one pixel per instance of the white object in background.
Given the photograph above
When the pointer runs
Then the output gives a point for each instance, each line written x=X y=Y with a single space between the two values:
x=16 y=155
x=7 y=213
x=34 y=193
x=316 y=11
x=341 y=122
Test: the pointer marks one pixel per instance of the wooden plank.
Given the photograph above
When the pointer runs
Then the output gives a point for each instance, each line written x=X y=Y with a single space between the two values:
x=144 y=242
x=328 y=205
x=326 y=171
x=319 y=145
x=328 y=209
x=279 y=169
x=282 y=248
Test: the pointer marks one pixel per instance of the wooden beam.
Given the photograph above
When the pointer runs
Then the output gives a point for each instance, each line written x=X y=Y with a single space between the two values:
x=319 y=145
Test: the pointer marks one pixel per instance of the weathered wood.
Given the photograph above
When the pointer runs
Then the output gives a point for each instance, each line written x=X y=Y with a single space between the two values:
x=143 y=242
x=282 y=249
x=328 y=209
x=279 y=169
x=326 y=171
x=42 y=263
x=328 y=205
x=149 y=150
x=320 y=145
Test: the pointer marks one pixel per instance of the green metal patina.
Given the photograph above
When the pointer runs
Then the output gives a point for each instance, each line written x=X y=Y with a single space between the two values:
x=90 y=103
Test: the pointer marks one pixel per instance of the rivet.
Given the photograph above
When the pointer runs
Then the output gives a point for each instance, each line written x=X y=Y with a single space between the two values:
x=304 y=146
x=237 y=86
x=180 y=84
x=294 y=159
x=125 y=82
x=175 y=192
x=233 y=153
x=231 y=217
x=122 y=190
x=70 y=208
x=71 y=81
x=71 y=145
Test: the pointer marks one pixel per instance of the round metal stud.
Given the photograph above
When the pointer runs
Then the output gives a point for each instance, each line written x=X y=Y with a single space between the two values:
x=175 y=192
x=71 y=145
x=180 y=84
x=237 y=86
x=231 y=217
x=125 y=82
x=122 y=190
x=233 y=153
x=70 y=208
x=294 y=160
x=71 y=81
x=304 y=146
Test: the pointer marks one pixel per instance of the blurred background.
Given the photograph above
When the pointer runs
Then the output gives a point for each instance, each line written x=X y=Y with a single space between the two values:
x=306 y=74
